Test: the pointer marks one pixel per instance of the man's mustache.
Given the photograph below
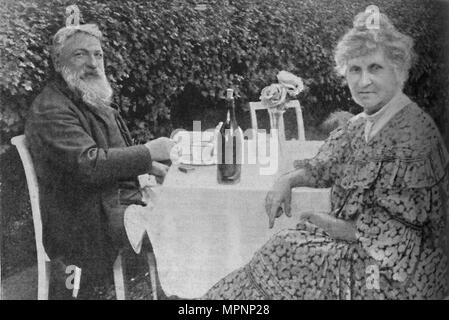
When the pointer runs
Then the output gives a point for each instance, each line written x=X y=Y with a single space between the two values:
x=91 y=74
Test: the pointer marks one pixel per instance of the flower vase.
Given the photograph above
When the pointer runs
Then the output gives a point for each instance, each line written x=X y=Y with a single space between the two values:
x=277 y=124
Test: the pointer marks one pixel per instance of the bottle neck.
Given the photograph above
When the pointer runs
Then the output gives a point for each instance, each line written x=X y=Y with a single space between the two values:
x=231 y=111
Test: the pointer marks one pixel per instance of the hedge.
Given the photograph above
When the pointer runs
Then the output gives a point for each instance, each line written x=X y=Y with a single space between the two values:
x=168 y=62
x=164 y=58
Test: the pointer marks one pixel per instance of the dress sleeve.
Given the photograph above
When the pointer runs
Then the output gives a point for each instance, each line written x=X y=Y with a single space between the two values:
x=415 y=192
x=405 y=213
x=323 y=169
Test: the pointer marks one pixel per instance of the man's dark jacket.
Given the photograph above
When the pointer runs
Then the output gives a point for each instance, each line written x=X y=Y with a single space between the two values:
x=87 y=170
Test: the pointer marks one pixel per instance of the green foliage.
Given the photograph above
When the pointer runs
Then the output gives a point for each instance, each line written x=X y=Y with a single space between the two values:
x=168 y=62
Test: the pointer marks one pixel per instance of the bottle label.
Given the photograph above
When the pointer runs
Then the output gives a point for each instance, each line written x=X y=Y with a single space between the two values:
x=229 y=157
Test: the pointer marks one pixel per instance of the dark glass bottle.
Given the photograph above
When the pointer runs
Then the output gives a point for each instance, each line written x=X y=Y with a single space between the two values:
x=229 y=145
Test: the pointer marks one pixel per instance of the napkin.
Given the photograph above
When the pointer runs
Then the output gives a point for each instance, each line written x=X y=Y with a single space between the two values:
x=135 y=226
x=136 y=217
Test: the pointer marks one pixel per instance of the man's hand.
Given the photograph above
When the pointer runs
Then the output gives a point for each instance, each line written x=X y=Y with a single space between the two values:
x=159 y=170
x=280 y=194
x=160 y=148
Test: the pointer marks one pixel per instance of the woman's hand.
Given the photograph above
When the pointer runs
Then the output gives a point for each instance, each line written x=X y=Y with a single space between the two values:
x=336 y=228
x=158 y=170
x=280 y=195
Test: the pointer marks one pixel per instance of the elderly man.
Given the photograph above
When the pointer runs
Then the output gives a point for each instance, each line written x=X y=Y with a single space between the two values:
x=85 y=160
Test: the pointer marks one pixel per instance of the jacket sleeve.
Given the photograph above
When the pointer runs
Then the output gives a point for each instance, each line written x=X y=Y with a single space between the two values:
x=57 y=135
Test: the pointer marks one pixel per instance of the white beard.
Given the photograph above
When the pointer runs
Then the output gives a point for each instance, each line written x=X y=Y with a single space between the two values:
x=96 y=92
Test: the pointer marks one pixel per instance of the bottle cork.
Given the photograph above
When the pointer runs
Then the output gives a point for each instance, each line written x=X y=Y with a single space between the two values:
x=229 y=94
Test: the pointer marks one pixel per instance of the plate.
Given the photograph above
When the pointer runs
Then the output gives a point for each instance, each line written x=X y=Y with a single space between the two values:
x=196 y=162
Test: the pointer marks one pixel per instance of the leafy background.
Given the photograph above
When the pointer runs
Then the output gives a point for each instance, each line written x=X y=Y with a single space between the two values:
x=169 y=62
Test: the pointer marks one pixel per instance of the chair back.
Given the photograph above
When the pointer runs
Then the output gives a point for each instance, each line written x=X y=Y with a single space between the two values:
x=20 y=143
x=43 y=261
x=254 y=106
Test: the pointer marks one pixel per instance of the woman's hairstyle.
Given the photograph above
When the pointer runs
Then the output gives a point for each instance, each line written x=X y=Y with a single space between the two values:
x=361 y=41
x=63 y=34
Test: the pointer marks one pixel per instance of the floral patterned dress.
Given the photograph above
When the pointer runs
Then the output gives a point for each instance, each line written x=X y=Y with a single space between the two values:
x=394 y=187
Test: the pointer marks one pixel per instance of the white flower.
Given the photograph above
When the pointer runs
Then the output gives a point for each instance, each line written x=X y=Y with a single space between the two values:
x=274 y=95
x=292 y=83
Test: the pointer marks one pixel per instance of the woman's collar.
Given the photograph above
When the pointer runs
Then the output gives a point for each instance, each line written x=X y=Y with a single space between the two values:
x=396 y=103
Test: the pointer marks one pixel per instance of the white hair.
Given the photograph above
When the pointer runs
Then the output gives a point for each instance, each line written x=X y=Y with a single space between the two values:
x=360 y=41
x=63 y=34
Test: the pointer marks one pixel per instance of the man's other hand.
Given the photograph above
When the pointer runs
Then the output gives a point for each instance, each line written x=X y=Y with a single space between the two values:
x=159 y=170
x=160 y=148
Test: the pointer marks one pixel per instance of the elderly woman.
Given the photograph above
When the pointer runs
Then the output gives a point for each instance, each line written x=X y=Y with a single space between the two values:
x=384 y=237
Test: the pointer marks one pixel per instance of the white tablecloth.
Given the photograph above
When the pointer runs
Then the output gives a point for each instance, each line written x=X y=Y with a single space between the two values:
x=201 y=231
